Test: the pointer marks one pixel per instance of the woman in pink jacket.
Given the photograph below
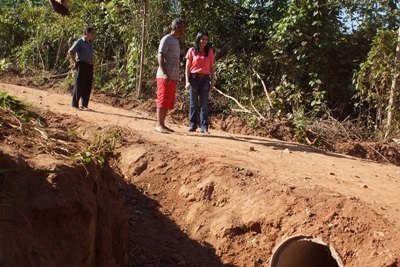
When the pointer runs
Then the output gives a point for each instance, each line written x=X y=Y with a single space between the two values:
x=200 y=79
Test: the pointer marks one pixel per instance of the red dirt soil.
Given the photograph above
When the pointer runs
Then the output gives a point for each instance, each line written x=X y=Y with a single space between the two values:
x=223 y=199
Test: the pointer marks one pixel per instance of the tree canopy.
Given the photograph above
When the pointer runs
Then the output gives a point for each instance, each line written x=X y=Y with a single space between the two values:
x=279 y=58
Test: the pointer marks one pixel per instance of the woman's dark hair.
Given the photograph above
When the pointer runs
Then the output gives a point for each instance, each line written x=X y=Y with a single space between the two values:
x=197 y=43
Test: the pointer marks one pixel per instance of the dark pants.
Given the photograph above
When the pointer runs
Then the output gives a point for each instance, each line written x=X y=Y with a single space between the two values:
x=198 y=101
x=83 y=84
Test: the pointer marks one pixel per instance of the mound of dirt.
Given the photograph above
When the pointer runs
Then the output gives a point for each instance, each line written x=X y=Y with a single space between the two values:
x=243 y=214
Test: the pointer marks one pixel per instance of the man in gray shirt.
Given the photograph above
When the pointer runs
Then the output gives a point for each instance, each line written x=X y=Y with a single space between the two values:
x=81 y=54
x=168 y=73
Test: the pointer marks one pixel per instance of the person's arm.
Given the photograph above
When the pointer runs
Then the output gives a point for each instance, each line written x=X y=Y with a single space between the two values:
x=161 y=63
x=187 y=73
x=72 y=54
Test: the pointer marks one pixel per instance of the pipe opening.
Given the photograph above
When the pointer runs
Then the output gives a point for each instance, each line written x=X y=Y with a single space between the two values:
x=303 y=251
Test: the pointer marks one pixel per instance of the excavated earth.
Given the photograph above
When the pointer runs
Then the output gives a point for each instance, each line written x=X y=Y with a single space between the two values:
x=179 y=199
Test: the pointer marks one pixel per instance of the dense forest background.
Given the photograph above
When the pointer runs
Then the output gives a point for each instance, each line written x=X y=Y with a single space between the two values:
x=304 y=60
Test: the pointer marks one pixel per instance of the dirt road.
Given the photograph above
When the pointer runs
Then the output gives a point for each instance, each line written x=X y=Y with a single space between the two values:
x=351 y=203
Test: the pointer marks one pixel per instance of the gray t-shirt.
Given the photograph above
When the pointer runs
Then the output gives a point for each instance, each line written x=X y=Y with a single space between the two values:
x=83 y=50
x=169 y=46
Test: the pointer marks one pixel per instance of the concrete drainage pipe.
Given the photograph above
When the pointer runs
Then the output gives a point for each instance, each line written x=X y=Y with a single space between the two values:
x=305 y=251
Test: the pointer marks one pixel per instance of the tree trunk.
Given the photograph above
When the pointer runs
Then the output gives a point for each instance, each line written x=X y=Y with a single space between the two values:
x=393 y=88
x=139 y=87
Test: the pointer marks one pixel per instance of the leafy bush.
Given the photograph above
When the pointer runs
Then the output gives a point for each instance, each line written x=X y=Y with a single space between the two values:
x=4 y=65
x=11 y=103
x=374 y=78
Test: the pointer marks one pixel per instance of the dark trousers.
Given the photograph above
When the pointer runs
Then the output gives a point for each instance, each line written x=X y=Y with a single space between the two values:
x=198 y=95
x=83 y=84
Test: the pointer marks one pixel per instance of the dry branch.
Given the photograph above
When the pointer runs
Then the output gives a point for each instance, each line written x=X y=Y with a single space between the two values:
x=380 y=154
x=260 y=116
x=265 y=89
x=243 y=109
x=42 y=133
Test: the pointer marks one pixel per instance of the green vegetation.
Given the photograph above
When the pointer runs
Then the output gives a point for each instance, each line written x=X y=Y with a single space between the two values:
x=13 y=105
x=374 y=79
x=87 y=157
x=106 y=140
x=315 y=57
x=101 y=146
x=4 y=65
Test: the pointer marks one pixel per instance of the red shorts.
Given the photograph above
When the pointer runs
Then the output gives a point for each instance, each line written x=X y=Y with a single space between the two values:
x=166 y=91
